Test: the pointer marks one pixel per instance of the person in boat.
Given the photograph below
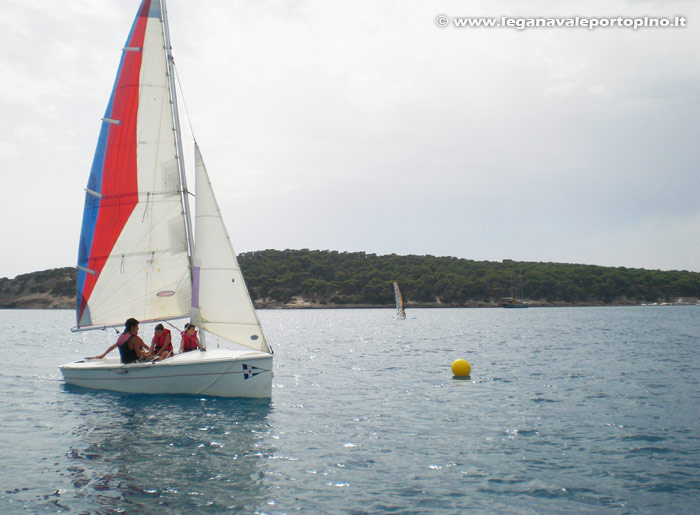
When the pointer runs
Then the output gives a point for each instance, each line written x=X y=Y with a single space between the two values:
x=161 y=344
x=131 y=346
x=189 y=340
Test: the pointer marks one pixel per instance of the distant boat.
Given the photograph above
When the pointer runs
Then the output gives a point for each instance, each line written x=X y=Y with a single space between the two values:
x=512 y=301
x=138 y=256
x=400 y=307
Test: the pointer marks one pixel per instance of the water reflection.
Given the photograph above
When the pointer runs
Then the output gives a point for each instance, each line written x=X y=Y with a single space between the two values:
x=140 y=453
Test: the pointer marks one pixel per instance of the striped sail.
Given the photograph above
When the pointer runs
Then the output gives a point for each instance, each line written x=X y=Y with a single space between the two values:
x=133 y=257
x=400 y=308
x=220 y=301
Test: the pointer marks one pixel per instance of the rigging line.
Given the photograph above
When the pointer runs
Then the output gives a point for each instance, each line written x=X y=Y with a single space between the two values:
x=145 y=207
x=173 y=326
x=184 y=101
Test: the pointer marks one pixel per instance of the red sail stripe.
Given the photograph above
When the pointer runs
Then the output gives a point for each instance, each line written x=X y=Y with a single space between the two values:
x=119 y=175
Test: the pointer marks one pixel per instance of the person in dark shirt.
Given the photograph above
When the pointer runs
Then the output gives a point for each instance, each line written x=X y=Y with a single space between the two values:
x=131 y=346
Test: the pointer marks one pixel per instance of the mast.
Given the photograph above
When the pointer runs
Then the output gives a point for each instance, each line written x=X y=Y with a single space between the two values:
x=178 y=144
x=178 y=135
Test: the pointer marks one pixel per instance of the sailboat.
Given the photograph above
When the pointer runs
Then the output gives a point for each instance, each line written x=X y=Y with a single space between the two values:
x=512 y=301
x=400 y=307
x=138 y=254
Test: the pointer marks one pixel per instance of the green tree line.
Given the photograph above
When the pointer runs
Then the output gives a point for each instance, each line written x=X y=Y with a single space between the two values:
x=355 y=278
x=342 y=278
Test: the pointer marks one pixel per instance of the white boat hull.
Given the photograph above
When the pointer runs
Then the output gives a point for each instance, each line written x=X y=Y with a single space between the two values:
x=219 y=372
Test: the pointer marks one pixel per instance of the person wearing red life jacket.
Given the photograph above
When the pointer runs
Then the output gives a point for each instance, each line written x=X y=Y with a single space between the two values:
x=161 y=344
x=189 y=340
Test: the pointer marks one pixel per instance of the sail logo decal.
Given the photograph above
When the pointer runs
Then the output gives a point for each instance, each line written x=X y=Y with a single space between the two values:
x=251 y=371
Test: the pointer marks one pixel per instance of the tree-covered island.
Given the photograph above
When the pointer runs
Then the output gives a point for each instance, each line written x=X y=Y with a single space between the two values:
x=322 y=278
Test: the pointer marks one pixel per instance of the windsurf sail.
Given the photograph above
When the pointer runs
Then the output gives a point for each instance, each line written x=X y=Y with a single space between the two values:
x=400 y=307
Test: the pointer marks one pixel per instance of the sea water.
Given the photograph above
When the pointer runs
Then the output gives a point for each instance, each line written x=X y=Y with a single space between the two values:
x=583 y=410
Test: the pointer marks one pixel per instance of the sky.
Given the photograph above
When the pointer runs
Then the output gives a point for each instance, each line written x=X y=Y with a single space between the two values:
x=367 y=126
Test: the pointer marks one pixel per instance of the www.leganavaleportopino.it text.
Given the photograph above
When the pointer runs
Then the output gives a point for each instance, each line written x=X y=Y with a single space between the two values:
x=523 y=23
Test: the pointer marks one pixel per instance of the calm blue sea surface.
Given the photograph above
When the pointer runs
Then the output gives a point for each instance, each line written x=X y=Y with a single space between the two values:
x=582 y=410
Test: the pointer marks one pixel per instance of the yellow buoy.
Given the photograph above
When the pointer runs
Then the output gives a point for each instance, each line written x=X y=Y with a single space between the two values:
x=461 y=367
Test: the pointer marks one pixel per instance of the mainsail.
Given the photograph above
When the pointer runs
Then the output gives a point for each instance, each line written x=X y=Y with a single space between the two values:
x=133 y=258
x=220 y=300
x=400 y=308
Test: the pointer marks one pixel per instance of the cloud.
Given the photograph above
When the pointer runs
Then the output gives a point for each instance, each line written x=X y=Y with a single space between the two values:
x=367 y=127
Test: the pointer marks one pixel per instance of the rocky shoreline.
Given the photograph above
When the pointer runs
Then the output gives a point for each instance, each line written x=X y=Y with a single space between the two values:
x=47 y=301
x=299 y=303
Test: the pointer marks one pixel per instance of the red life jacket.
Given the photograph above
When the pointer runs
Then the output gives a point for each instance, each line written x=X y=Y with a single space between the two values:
x=159 y=341
x=189 y=342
